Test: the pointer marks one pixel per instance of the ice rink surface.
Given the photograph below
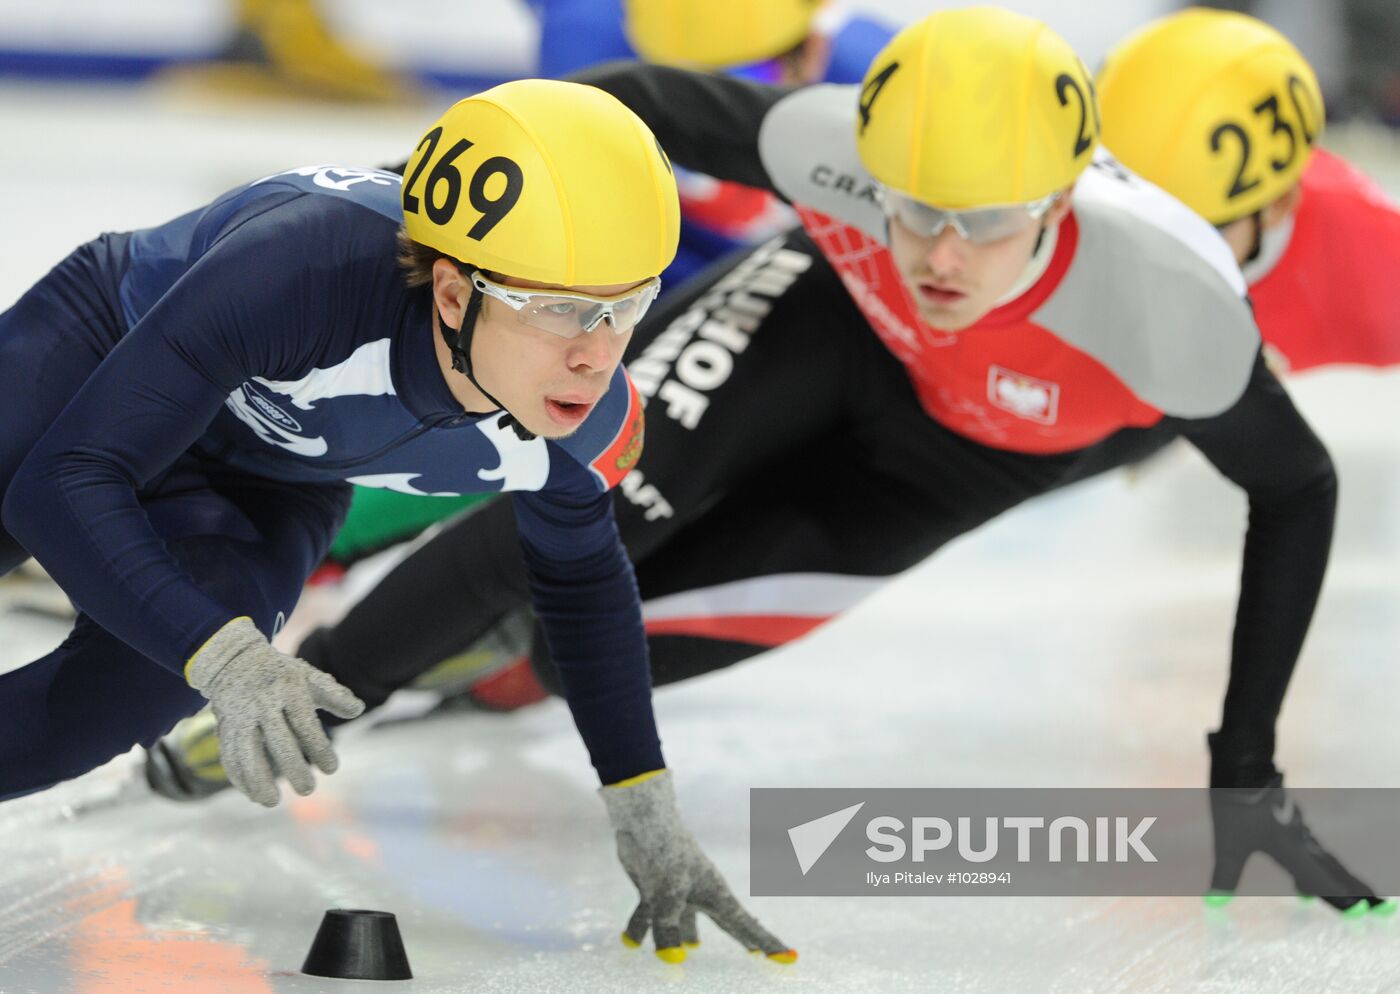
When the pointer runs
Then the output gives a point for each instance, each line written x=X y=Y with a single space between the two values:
x=1079 y=641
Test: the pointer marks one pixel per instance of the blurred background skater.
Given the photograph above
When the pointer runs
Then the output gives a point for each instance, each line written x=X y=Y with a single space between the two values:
x=787 y=42
x=290 y=48
x=1224 y=113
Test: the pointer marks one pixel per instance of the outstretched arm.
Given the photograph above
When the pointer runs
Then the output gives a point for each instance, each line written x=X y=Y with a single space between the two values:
x=1263 y=444
x=586 y=597
x=706 y=122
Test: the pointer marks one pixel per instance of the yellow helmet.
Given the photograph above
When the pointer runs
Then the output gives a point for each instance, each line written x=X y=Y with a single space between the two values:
x=1217 y=108
x=715 y=34
x=977 y=107
x=544 y=180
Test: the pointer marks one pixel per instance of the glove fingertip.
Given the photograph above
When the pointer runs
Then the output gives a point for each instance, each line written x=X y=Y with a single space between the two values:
x=343 y=697
x=784 y=957
x=352 y=708
x=671 y=954
x=630 y=942
x=335 y=697
x=691 y=944
x=263 y=794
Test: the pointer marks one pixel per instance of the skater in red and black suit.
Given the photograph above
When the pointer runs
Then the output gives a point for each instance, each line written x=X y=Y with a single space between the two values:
x=963 y=324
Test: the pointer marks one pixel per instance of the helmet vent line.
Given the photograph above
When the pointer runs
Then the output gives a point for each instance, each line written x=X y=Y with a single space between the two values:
x=1023 y=111
x=916 y=142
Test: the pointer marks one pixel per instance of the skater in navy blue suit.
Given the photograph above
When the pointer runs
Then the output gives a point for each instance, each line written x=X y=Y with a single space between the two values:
x=186 y=406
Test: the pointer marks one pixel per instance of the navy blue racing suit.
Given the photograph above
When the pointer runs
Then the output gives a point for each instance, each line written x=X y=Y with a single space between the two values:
x=184 y=408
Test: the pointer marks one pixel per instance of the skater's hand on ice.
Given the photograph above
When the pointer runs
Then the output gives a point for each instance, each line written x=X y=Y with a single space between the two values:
x=1266 y=819
x=266 y=704
x=674 y=878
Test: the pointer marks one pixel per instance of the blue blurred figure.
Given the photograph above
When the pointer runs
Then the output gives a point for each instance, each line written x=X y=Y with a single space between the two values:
x=774 y=41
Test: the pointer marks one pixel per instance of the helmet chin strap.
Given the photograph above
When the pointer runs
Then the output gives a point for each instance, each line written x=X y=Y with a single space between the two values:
x=1257 y=244
x=459 y=344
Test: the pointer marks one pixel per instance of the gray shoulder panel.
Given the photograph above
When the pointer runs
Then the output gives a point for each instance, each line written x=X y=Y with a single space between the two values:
x=808 y=146
x=1154 y=294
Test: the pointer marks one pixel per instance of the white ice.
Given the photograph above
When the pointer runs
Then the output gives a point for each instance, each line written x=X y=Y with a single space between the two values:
x=1081 y=640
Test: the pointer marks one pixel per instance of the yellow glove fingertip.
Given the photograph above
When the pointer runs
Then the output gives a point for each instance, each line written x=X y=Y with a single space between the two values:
x=671 y=954
x=629 y=942
x=785 y=957
x=692 y=945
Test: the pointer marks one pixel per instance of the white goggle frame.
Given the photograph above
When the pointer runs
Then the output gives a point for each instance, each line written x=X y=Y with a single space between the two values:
x=568 y=313
x=979 y=225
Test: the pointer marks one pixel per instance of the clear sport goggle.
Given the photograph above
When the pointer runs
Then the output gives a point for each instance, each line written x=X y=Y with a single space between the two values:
x=983 y=224
x=568 y=313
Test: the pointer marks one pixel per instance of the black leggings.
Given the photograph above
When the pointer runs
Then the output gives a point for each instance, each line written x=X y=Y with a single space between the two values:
x=787 y=461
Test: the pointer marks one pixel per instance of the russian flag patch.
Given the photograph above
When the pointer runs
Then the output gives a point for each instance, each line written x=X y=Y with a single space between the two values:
x=622 y=453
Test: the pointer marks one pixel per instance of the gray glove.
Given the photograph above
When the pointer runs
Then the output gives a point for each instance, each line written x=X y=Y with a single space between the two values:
x=266 y=704
x=674 y=878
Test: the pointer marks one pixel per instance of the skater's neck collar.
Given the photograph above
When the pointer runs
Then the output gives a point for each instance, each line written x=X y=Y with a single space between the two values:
x=1035 y=269
x=1042 y=275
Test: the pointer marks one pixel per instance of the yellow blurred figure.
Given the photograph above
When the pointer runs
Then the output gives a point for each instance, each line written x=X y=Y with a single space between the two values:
x=717 y=34
x=285 y=47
